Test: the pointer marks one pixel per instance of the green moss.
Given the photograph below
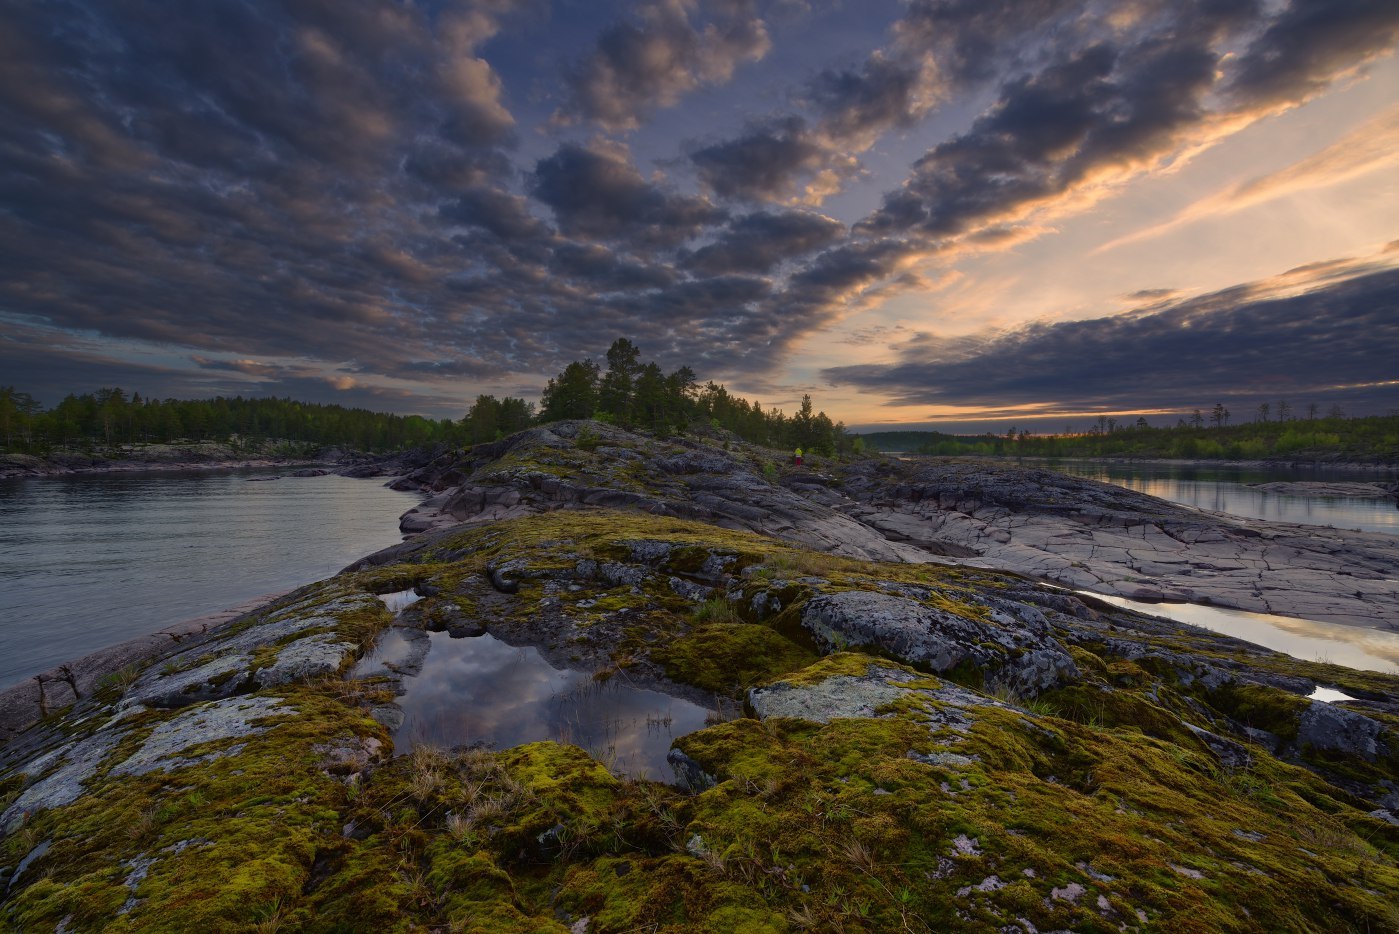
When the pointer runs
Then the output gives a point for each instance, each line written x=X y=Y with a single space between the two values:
x=728 y=658
x=810 y=826
x=1260 y=707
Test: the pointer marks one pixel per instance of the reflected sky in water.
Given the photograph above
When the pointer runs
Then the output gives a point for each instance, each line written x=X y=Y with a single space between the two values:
x=1226 y=489
x=1351 y=646
x=89 y=561
x=481 y=690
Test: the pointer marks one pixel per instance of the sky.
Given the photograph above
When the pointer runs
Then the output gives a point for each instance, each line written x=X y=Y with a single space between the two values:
x=957 y=214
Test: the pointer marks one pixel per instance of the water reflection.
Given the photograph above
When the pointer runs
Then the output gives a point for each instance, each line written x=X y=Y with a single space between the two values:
x=481 y=690
x=1306 y=639
x=1228 y=489
x=88 y=561
x=1329 y=695
x=399 y=600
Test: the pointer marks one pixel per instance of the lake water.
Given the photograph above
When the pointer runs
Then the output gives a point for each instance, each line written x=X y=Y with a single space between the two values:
x=1224 y=488
x=92 y=560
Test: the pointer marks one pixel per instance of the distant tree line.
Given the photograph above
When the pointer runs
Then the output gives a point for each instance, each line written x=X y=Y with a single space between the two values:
x=629 y=393
x=1273 y=433
x=110 y=417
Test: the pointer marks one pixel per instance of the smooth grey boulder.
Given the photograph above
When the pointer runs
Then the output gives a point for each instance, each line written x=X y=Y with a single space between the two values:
x=220 y=677
x=313 y=656
x=1020 y=655
x=1333 y=728
x=836 y=697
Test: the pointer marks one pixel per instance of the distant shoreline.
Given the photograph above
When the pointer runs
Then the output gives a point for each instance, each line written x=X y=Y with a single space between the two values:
x=1384 y=467
x=119 y=467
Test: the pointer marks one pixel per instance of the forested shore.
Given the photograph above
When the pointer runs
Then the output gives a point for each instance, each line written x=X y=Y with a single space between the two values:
x=627 y=393
x=1334 y=438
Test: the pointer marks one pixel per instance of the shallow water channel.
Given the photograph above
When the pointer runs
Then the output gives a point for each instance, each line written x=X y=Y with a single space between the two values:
x=482 y=691
x=1310 y=640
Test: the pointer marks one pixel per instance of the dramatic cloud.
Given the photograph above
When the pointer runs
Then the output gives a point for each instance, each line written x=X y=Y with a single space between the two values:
x=1242 y=344
x=654 y=61
x=414 y=200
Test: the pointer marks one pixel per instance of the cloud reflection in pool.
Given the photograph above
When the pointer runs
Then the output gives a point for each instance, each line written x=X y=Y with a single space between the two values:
x=481 y=690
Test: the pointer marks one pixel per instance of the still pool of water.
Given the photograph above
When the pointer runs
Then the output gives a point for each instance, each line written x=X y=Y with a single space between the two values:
x=483 y=691
x=1351 y=646
x=92 y=560
x=1227 y=489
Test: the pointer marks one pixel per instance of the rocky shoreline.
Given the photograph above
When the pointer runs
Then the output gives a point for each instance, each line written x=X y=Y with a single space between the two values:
x=911 y=739
x=160 y=458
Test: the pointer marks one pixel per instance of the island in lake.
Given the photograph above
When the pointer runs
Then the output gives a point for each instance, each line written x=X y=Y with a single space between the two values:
x=730 y=693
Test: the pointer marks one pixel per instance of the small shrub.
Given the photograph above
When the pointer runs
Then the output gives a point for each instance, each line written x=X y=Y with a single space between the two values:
x=715 y=610
x=587 y=440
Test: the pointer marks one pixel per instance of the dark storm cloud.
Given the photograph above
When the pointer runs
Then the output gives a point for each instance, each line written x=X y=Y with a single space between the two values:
x=1233 y=344
x=1125 y=102
x=970 y=39
x=758 y=242
x=653 y=61
x=598 y=192
x=248 y=177
x=937 y=47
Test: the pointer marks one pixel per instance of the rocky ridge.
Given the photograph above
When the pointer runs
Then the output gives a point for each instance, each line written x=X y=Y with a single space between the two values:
x=906 y=744
x=1072 y=531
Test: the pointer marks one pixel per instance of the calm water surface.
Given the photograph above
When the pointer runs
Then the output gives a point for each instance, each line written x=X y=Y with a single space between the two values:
x=483 y=691
x=1310 y=640
x=89 y=561
x=1226 y=489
